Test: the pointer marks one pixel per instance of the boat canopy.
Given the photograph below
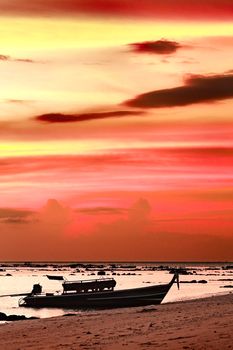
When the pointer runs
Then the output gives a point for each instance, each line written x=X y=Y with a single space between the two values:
x=93 y=285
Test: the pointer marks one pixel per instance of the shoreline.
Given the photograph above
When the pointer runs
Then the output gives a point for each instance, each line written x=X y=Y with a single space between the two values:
x=198 y=298
x=204 y=323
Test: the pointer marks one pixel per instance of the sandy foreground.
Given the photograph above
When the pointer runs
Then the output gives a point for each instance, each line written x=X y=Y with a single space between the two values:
x=200 y=324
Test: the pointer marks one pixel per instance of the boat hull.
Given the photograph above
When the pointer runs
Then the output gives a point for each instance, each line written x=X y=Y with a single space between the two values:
x=101 y=300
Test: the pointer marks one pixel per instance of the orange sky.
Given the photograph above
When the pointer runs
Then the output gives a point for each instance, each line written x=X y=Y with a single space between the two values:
x=116 y=130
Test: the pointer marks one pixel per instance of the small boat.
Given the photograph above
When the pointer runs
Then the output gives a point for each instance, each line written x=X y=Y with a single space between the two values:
x=97 y=294
x=57 y=278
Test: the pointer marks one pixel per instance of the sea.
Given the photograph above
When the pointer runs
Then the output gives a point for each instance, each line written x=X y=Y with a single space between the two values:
x=197 y=280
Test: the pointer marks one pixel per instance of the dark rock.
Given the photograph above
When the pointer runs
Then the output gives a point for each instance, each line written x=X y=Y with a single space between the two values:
x=70 y=314
x=101 y=273
x=3 y=317
x=226 y=279
x=127 y=266
x=181 y=271
x=228 y=267
x=113 y=266
x=16 y=317
x=193 y=281
x=75 y=266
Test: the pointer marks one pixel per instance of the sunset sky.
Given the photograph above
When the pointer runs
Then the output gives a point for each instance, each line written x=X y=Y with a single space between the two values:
x=116 y=133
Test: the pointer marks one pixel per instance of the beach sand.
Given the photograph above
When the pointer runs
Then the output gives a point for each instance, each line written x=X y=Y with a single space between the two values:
x=199 y=324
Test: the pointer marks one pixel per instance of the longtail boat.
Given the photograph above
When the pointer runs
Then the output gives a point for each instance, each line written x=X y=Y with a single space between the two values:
x=97 y=294
x=57 y=278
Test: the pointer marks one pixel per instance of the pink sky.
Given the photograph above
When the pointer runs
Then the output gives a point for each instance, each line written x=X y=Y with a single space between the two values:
x=116 y=130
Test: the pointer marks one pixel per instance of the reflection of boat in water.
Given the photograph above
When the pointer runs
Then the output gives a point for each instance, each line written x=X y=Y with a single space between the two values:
x=57 y=278
x=95 y=294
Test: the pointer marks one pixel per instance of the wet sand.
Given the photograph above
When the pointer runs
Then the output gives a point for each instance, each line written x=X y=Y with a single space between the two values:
x=199 y=324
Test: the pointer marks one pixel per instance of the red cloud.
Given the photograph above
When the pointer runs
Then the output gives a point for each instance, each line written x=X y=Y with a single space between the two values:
x=183 y=9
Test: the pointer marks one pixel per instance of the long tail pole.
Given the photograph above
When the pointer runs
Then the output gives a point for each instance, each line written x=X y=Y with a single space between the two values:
x=14 y=295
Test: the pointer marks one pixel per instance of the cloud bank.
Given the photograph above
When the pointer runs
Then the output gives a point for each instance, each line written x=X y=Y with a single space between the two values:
x=134 y=236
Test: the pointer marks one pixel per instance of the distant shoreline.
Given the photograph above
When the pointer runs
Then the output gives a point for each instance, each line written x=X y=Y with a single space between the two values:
x=111 y=262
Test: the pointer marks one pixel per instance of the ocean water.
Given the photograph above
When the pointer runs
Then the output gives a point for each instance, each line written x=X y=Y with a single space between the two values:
x=19 y=278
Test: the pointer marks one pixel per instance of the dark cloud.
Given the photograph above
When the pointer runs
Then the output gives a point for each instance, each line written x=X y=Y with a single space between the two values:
x=160 y=47
x=197 y=89
x=69 y=118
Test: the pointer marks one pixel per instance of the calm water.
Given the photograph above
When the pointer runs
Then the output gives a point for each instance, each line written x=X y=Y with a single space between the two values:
x=22 y=279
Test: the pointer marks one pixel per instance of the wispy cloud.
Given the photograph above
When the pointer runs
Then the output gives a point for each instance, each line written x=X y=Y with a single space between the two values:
x=101 y=211
x=166 y=160
x=7 y=58
x=197 y=89
x=17 y=101
x=12 y=213
x=69 y=118
x=4 y=58
x=24 y=60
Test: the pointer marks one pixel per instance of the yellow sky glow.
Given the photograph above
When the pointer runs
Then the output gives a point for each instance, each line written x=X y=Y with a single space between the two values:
x=13 y=149
x=37 y=33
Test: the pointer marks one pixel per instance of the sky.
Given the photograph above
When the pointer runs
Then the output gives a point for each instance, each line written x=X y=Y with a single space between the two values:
x=116 y=133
